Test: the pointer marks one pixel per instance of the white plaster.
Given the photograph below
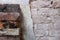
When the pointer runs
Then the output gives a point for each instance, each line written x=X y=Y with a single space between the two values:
x=14 y=2
x=29 y=34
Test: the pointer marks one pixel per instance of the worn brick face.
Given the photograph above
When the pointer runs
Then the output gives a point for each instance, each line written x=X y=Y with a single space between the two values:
x=8 y=16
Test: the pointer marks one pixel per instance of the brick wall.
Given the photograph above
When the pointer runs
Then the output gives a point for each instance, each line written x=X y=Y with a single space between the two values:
x=46 y=19
x=12 y=12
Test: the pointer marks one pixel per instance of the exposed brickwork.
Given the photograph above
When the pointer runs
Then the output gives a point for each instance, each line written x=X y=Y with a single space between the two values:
x=9 y=12
x=9 y=15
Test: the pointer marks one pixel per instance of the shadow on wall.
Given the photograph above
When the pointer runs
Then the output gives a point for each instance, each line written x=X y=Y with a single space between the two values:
x=31 y=1
x=21 y=24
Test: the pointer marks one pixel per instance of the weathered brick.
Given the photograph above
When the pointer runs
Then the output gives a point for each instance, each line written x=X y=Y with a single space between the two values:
x=13 y=38
x=57 y=33
x=35 y=26
x=42 y=27
x=52 y=33
x=3 y=38
x=43 y=11
x=44 y=3
x=36 y=20
x=57 y=26
x=56 y=4
x=51 y=26
x=34 y=12
x=53 y=12
x=41 y=32
x=43 y=38
x=8 y=16
x=54 y=38
x=48 y=11
x=34 y=4
x=56 y=19
x=37 y=37
x=44 y=19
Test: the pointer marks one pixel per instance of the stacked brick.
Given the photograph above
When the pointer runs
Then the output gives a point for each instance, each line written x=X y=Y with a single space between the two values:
x=46 y=19
x=9 y=8
x=9 y=38
x=9 y=12
x=9 y=15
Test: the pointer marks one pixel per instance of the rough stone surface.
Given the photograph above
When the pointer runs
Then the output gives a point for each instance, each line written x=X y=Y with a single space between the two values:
x=46 y=19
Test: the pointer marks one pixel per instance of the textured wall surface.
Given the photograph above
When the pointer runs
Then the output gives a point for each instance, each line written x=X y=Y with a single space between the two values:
x=27 y=20
x=46 y=19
